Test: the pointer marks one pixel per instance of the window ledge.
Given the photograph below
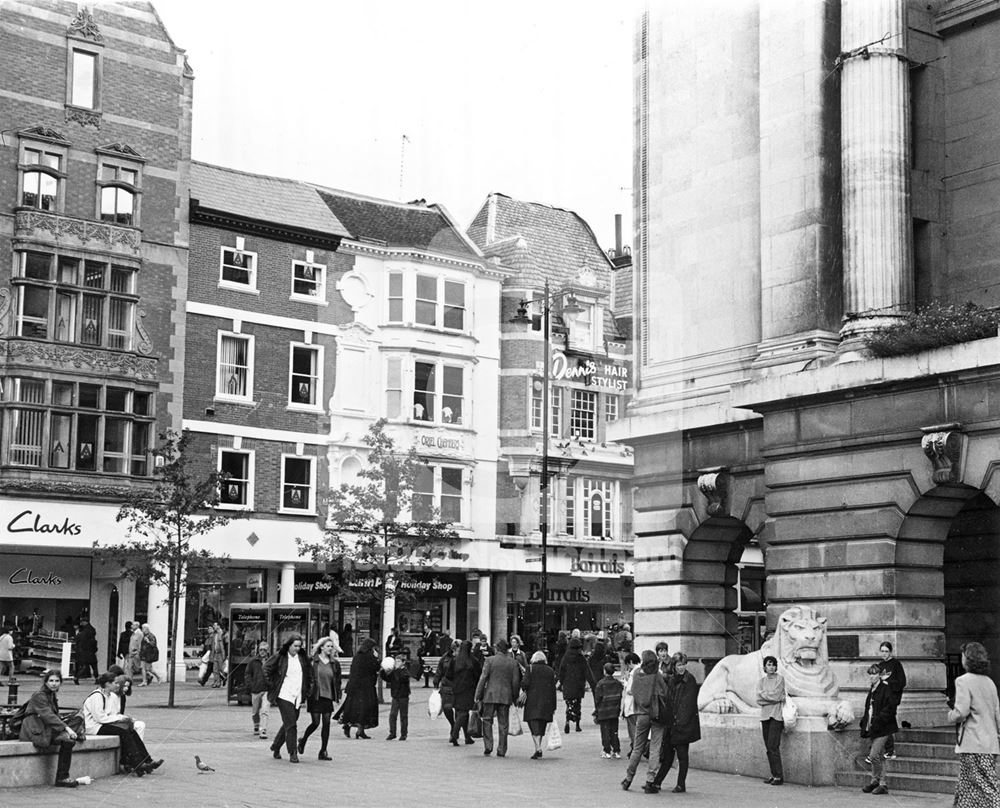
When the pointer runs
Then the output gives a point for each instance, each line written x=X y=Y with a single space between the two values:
x=295 y=512
x=244 y=508
x=312 y=301
x=311 y=409
x=240 y=400
x=431 y=329
x=238 y=287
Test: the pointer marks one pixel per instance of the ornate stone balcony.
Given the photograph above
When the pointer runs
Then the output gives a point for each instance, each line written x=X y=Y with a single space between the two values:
x=64 y=231
x=53 y=356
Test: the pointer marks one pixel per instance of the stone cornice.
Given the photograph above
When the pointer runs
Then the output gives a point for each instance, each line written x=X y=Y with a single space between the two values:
x=963 y=12
x=351 y=247
x=77 y=359
x=258 y=227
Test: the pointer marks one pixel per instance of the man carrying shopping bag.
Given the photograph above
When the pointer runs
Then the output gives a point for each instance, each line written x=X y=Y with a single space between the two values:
x=498 y=687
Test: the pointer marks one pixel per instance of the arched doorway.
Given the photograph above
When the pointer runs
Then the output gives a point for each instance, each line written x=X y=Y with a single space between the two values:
x=972 y=582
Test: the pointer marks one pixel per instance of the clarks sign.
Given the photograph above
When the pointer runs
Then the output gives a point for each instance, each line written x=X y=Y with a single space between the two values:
x=29 y=521
x=41 y=576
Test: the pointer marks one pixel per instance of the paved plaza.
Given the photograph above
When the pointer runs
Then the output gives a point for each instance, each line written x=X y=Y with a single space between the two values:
x=422 y=771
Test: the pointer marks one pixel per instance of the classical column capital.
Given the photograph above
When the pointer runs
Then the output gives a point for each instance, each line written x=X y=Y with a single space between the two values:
x=942 y=443
x=714 y=486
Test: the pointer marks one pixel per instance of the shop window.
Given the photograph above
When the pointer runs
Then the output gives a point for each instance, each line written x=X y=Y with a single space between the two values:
x=42 y=172
x=234 y=378
x=77 y=426
x=309 y=281
x=238 y=268
x=589 y=506
x=582 y=414
x=305 y=376
x=297 y=484
x=68 y=300
x=438 y=392
x=236 y=489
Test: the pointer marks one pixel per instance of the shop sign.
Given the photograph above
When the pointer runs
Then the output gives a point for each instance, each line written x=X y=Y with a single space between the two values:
x=590 y=567
x=35 y=523
x=255 y=580
x=45 y=577
x=418 y=584
x=447 y=443
x=576 y=594
x=593 y=371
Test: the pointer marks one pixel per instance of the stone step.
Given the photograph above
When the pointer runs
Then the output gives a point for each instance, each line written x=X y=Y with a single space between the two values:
x=941 y=751
x=915 y=765
x=926 y=783
x=927 y=735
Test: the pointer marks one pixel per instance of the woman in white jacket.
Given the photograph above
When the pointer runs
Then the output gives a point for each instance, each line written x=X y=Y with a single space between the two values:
x=102 y=717
x=977 y=711
x=629 y=664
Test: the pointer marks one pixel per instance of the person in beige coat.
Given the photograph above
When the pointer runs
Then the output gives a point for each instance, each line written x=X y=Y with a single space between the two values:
x=977 y=712
x=498 y=687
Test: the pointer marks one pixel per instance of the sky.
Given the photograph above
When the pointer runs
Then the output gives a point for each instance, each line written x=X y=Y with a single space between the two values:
x=529 y=99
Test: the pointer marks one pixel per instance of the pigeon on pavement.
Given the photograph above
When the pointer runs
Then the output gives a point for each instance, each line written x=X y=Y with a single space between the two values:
x=202 y=768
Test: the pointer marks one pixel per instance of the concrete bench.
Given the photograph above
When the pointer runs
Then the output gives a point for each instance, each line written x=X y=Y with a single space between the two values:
x=22 y=764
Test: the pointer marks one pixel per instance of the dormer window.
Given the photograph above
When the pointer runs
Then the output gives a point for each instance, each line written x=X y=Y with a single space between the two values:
x=583 y=329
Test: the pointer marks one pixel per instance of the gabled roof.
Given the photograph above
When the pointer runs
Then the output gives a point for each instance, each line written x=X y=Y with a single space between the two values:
x=274 y=200
x=414 y=225
x=557 y=243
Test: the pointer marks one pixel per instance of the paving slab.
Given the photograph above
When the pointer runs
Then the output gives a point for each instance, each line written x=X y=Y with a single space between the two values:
x=424 y=770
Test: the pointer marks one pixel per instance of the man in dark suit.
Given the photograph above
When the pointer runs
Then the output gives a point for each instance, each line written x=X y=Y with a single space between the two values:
x=498 y=687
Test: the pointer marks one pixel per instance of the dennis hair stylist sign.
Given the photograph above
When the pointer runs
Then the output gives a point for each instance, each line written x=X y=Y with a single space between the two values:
x=44 y=577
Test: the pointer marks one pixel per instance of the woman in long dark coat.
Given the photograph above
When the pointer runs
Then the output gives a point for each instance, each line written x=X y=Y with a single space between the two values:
x=463 y=672
x=361 y=700
x=574 y=676
x=684 y=728
x=539 y=686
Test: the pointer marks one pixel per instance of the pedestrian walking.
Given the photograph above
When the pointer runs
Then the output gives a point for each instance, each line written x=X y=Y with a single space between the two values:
x=289 y=682
x=561 y=644
x=260 y=707
x=539 y=698
x=607 y=708
x=516 y=651
x=398 y=680
x=499 y=684
x=121 y=651
x=217 y=645
x=649 y=693
x=877 y=724
x=622 y=643
x=976 y=711
x=360 y=698
x=464 y=673
x=663 y=658
x=771 y=698
x=897 y=683
x=347 y=640
x=323 y=694
x=149 y=653
x=574 y=676
x=44 y=727
x=7 y=646
x=102 y=717
x=134 y=647
x=86 y=651
x=683 y=727
x=630 y=664
x=443 y=683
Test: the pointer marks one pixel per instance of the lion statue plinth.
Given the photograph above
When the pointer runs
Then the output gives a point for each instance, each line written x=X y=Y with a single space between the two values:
x=799 y=645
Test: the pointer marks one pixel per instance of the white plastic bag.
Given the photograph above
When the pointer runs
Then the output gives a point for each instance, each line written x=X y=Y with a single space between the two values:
x=515 y=727
x=789 y=714
x=203 y=672
x=434 y=704
x=555 y=737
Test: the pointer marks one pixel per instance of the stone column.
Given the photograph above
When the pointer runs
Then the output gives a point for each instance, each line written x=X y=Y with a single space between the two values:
x=287 y=592
x=875 y=163
x=126 y=601
x=485 y=612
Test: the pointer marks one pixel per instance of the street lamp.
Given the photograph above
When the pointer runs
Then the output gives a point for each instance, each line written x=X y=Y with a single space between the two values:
x=570 y=307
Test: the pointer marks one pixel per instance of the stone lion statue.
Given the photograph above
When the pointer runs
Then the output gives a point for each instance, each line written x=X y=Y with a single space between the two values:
x=799 y=645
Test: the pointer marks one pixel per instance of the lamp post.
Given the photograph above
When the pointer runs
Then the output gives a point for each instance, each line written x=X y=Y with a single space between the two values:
x=570 y=307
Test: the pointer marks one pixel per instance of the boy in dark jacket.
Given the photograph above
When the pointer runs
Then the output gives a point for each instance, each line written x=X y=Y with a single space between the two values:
x=608 y=706
x=878 y=724
x=398 y=680
x=256 y=682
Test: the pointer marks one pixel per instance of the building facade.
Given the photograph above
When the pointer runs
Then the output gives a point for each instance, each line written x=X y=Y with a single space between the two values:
x=93 y=265
x=588 y=536
x=828 y=169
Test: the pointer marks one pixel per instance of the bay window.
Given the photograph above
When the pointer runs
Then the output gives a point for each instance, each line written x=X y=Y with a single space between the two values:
x=426 y=299
x=589 y=508
x=437 y=495
x=438 y=392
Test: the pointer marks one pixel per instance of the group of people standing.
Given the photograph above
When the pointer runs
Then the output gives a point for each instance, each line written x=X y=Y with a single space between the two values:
x=137 y=651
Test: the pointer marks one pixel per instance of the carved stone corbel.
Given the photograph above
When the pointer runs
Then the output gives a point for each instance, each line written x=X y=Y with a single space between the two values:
x=943 y=443
x=714 y=486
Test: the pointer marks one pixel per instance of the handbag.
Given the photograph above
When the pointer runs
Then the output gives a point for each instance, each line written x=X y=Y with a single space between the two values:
x=434 y=704
x=475 y=724
x=555 y=737
x=789 y=714
x=514 y=726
